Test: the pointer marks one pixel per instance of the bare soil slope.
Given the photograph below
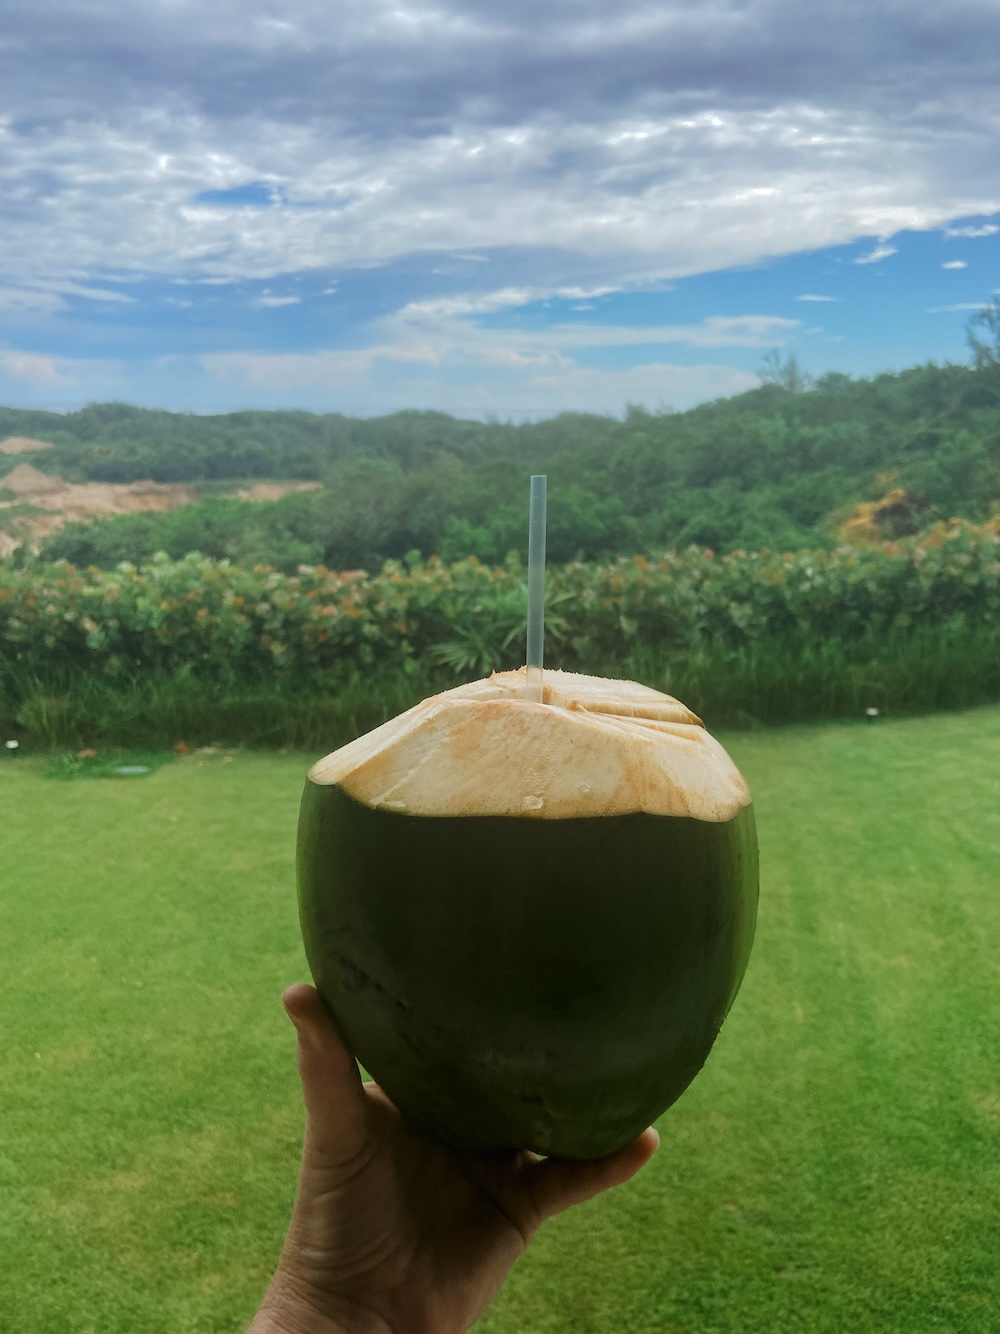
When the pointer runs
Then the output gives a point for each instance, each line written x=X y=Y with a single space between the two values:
x=22 y=444
x=54 y=501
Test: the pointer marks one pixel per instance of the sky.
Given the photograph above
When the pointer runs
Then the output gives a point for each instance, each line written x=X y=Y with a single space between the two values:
x=491 y=210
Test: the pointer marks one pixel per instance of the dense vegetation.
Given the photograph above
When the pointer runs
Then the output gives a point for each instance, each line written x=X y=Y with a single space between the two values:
x=256 y=637
x=775 y=468
x=763 y=636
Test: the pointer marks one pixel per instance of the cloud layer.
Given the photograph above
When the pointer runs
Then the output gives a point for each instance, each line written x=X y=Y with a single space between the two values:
x=392 y=190
x=651 y=137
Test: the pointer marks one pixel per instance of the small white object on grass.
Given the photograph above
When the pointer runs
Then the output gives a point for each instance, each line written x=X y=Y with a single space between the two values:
x=12 y=745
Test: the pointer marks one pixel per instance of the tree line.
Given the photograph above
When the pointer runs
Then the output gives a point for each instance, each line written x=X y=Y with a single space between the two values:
x=776 y=468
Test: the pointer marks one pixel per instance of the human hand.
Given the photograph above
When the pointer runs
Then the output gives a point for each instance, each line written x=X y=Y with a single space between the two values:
x=394 y=1234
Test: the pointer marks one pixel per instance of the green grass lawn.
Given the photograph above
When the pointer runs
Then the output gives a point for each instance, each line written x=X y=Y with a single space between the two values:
x=835 y=1168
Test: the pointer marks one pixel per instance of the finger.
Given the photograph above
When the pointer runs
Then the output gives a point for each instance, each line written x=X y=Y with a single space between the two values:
x=558 y=1183
x=336 y=1108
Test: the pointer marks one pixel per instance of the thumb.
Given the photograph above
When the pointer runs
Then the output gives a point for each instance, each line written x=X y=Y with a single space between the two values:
x=558 y=1183
x=336 y=1106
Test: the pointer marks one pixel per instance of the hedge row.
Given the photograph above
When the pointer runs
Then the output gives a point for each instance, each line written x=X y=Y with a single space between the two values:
x=221 y=623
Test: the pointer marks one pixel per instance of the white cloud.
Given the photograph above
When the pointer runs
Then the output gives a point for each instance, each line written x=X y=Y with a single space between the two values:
x=591 y=293
x=514 y=369
x=877 y=255
x=89 y=378
x=485 y=303
x=653 y=384
x=959 y=305
x=94 y=293
x=987 y=229
x=291 y=370
x=561 y=151
x=659 y=142
x=714 y=331
x=459 y=346
x=426 y=355
x=468 y=304
x=22 y=299
x=955 y=264
x=46 y=296
x=346 y=379
x=31 y=366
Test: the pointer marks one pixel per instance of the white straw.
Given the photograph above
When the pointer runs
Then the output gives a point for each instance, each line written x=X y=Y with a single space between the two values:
x=536 y=588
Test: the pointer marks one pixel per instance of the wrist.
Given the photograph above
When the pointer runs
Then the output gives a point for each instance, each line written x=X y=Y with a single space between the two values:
x=289 y=1308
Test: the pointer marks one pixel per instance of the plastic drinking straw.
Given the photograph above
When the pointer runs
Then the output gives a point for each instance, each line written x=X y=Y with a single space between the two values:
x=536 y=589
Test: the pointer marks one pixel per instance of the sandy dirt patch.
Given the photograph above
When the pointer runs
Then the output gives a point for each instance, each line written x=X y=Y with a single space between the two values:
x=272 y=490
x=22 y=444
x=71 y=502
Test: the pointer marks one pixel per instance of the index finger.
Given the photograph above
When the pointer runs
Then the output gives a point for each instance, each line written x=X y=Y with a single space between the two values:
x=336 y=1106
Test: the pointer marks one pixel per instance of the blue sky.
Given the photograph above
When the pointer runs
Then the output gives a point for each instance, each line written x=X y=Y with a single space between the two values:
x=515 y=210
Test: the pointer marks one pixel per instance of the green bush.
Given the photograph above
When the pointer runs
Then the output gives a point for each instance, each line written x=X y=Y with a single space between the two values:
x=763 y=634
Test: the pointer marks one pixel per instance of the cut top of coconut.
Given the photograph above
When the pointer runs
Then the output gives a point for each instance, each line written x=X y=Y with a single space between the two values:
x=594 y=747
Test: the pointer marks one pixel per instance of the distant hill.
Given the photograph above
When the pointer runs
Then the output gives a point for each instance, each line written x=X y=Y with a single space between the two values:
x=778 y=467
x=40 y=504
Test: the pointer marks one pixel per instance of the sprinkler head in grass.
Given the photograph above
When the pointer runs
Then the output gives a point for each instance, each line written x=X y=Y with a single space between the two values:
x=871 y=714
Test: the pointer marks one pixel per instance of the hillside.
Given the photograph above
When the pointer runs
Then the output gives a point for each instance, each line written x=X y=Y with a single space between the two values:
x=40 y=504
x=778 y=467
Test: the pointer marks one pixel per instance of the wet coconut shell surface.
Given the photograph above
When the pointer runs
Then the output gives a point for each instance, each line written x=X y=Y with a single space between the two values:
x=530 y=920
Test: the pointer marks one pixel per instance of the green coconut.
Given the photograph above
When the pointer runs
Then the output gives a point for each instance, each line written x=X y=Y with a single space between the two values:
x=529 y=920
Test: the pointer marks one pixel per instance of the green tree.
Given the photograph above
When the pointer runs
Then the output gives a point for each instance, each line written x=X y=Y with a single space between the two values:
x=358 y=518
x=785 y=374
x=985 y=351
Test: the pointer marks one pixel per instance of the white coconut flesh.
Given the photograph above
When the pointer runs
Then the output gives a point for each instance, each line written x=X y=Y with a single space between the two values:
x=594 y=747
